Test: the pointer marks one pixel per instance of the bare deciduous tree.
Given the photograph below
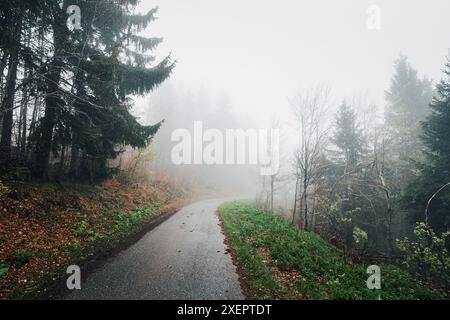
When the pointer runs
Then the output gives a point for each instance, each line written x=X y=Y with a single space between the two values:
x=309 y=111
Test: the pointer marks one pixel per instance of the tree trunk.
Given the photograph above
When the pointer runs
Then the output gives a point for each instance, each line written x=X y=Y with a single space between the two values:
x=22 y=140
x=295 y=199
x=48 y=121
x=3 y=63
x=74 y=161
x=52 y=104
x=305 y=199
x=272 y=182
x=61 y=164
x=34 y=116
x=7 y=106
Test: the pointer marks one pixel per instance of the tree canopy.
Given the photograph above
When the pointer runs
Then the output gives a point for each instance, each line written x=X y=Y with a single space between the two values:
x=79 y=80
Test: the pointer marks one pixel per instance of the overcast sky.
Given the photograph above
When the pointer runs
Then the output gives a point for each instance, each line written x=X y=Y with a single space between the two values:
x=261 y=52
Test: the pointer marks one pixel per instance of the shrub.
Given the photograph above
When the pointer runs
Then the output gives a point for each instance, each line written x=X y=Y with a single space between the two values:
x=4 y=189
x=428 y=255
x=360 y=238
x=82 y=230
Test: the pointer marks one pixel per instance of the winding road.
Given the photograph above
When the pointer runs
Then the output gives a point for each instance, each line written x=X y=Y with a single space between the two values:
x=183 y=258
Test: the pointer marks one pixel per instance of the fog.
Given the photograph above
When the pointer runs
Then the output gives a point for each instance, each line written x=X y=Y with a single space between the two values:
x=330 y=118
x=259 y=54
x=260 y=51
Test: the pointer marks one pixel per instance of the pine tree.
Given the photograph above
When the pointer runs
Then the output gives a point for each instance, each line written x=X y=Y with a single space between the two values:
x=20 y=21
x=342 y=170
x=347 y=137
x=84 y=78
x=91 y=77
x=434 y=175
x=407 y=105
x=436 y=136
x=11 y=30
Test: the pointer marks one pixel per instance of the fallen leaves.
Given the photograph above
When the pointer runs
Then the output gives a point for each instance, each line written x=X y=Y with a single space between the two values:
x=287 y=278
x=38 y=226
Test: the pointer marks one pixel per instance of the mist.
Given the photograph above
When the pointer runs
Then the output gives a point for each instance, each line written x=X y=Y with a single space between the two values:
x=262 y=52
x=212 y=149
x=240 y=65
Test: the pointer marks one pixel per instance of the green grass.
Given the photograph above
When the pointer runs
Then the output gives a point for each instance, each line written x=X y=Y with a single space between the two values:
x=125 y=222
x=122 y=225
x=322 y=271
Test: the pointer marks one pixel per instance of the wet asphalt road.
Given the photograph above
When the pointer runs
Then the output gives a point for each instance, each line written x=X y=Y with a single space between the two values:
x=183 y=258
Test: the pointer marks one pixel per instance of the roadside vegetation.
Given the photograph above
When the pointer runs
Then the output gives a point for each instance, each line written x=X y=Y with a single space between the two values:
x=374 y=183
x=279 y=261
x=66 y=115
x=44 y=228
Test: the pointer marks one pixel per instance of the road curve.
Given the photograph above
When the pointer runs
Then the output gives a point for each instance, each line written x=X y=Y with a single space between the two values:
x=183 y=258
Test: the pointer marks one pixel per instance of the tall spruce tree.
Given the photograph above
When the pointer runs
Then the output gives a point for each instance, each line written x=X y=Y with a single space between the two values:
x=91 y=77
x=347 y=137
x=20 y=20
x=11 y=26
x=347 y=152
x=429 y=195
x=407 y=104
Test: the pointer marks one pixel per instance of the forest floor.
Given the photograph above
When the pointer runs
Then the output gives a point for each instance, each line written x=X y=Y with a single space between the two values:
x=278 y=261
x=44 y=228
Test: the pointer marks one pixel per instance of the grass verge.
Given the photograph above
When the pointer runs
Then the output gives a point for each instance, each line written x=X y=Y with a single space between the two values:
x=278 y=261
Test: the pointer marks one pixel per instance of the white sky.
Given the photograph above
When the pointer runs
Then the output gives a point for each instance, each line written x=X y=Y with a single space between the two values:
x=261 y=52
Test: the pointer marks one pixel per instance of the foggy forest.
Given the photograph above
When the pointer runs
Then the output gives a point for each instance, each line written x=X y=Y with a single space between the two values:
x=209 y=150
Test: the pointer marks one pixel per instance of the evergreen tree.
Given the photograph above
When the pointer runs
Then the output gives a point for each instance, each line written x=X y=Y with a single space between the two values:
x=11 y=26
x=91 y=76
x=80 y=83
x=347 y=137
x=429 y=189
x=347 y=140
x=407 y=105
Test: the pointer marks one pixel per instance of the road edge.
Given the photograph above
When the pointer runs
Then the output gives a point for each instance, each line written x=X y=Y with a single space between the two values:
x=57 y=290
x=243 y=283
